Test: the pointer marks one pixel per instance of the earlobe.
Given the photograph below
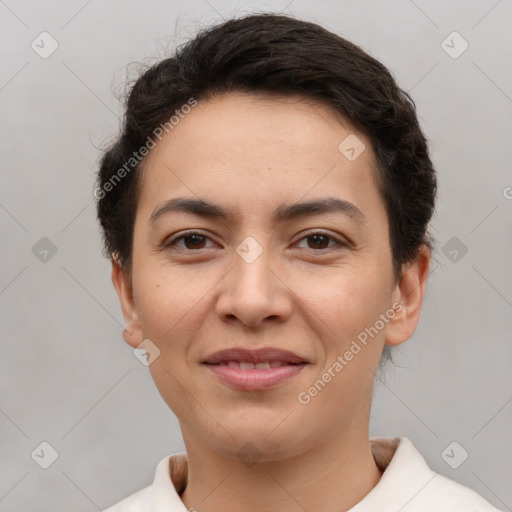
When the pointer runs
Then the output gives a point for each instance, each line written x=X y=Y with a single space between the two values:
x=410 y=292
x=132 y=334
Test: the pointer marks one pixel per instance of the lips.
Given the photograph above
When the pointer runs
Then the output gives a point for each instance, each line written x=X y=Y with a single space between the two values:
x=252 y=370
x=272 y=356
x=248 y=365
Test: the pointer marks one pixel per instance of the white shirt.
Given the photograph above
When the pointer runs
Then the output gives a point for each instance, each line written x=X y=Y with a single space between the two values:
x=407 y=485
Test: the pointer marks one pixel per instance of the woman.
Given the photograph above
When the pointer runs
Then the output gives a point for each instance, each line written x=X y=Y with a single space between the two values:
x=266 y=212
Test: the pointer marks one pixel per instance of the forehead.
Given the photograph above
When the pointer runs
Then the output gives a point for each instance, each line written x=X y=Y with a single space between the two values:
x=252 y=118
x=245 y=145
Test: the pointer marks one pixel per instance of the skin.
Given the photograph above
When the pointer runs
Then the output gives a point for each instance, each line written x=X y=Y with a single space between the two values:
x=252 y=153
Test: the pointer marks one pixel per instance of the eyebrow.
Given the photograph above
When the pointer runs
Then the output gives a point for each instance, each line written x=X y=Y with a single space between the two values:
x=283 y=213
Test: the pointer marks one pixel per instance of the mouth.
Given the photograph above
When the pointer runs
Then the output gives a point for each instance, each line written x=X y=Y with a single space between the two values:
x=248 y=365
x=272 y=356
x=252 y=370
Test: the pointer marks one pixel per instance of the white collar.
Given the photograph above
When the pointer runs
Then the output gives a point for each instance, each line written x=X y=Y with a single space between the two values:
x=407 y=484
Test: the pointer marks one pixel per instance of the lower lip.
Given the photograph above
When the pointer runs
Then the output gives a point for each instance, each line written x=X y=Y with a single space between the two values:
x=252 y=380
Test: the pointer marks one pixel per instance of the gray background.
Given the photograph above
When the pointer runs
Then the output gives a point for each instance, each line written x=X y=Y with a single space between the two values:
x=66 y=375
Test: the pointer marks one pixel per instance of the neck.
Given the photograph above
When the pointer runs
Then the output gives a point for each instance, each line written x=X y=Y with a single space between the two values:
x=334 y=475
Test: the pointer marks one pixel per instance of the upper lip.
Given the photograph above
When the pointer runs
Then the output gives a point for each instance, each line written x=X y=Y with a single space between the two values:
x=260 y=355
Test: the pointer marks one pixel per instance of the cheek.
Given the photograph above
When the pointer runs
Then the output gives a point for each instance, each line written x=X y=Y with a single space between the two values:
x=168 y=302
x=344 y=301
x=170 y=311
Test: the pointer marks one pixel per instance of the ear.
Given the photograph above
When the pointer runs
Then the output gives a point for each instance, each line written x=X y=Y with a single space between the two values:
x=133 y=334
x=409 y=292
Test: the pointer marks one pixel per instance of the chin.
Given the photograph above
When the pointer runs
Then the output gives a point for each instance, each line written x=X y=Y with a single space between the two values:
x=251 y=449
x=267 y=439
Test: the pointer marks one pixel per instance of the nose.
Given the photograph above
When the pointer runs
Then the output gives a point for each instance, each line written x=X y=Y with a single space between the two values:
x=254 y=293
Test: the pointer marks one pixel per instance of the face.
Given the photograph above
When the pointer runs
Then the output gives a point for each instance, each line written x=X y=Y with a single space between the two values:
x=289 y=290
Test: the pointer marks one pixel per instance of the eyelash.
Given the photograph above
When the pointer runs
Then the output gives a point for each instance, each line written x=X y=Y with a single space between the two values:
x=170 y=243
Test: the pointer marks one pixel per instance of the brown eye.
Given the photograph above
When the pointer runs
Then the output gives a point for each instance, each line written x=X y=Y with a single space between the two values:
x=191 y=240
x=319 y=241
x=194 y=241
